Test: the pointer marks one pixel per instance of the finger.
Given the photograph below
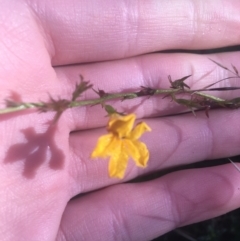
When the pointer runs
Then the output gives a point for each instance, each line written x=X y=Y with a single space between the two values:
x=144 y=211
x=174 y=141
x=25 y=64
x=86 y=31
x=151 y=71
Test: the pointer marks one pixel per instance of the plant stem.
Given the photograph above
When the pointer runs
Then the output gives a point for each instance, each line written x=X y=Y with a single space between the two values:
x=20 y=107
x=124 y=96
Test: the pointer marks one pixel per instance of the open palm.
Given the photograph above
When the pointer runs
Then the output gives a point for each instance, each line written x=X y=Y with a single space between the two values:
x=44 y=47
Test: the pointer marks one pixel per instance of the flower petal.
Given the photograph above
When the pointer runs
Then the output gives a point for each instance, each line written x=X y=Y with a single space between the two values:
x=121 y=143
x=118 y=163
x=105 y=146
x=138 y=130
x=143 y=154
x=130 y=148
x=121 y=125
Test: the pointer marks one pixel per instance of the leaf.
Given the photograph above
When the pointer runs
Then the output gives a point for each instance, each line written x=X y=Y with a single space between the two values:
x=220 y=65
x=12 y=103
x=235 y=69
x=100 y=93
x=234 y=164
x=110 y=110
x=145 y=91
x=59 y=106
x=179 y=83
x=80 y=88
x=223 y=88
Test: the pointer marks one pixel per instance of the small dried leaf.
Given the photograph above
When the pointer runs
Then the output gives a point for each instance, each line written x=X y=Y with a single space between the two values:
x=127 y=97
x=220 y=65
x=59 y=106
x=207 y=86
x=234 y=164
x=12 y=103
x=233 y=103
x=223 y=89
x=100 y=93
x=179 y=83
x=80 y=88
x=110 y=110
x=235 y=69
x=146 y=91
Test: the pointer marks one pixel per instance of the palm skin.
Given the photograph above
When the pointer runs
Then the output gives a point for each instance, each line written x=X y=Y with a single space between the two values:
x=44 y=47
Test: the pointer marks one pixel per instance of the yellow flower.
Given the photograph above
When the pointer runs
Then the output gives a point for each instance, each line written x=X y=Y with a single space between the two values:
x=121 y=143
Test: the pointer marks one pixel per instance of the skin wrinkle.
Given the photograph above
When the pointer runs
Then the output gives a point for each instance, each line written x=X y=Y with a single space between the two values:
x=210 y=139
x=148 y=78
x=200 y=14
x=119 y=222
x=145 y=81
x=179 y=23
x=153 y=207
x=207 y=140
x=178 y=139
x=231 y=115
x=207 y=134
x=112 y=194
x=41 y=16
x=131 y=25
x=118 y=225
x=9 y=46
x=149 y=6
x=84 y=116
x=169 y=206
x=81 y=117
x=87 y=226
x=105 y=215
x=167 y=222
x=195 y=21
x=46 y=34
x=216 y=71
x=18 y=37
x=178 y=216
x=182 y=218
x=92 y=167
x=182 y=21
x=64 y=235
x=149 y=81
x=174 y=210
x=61 y=236
x=75 y=171
x=222 y=74
x=164 y=207
x=201 y=76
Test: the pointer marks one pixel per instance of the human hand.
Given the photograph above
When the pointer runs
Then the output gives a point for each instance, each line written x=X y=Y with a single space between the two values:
x=44 y=47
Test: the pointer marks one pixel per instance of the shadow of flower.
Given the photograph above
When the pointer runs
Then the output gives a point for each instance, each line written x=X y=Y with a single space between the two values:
x=38 y=148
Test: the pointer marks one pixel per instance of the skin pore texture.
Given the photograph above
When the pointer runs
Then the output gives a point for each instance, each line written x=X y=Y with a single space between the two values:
x=50 y=188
